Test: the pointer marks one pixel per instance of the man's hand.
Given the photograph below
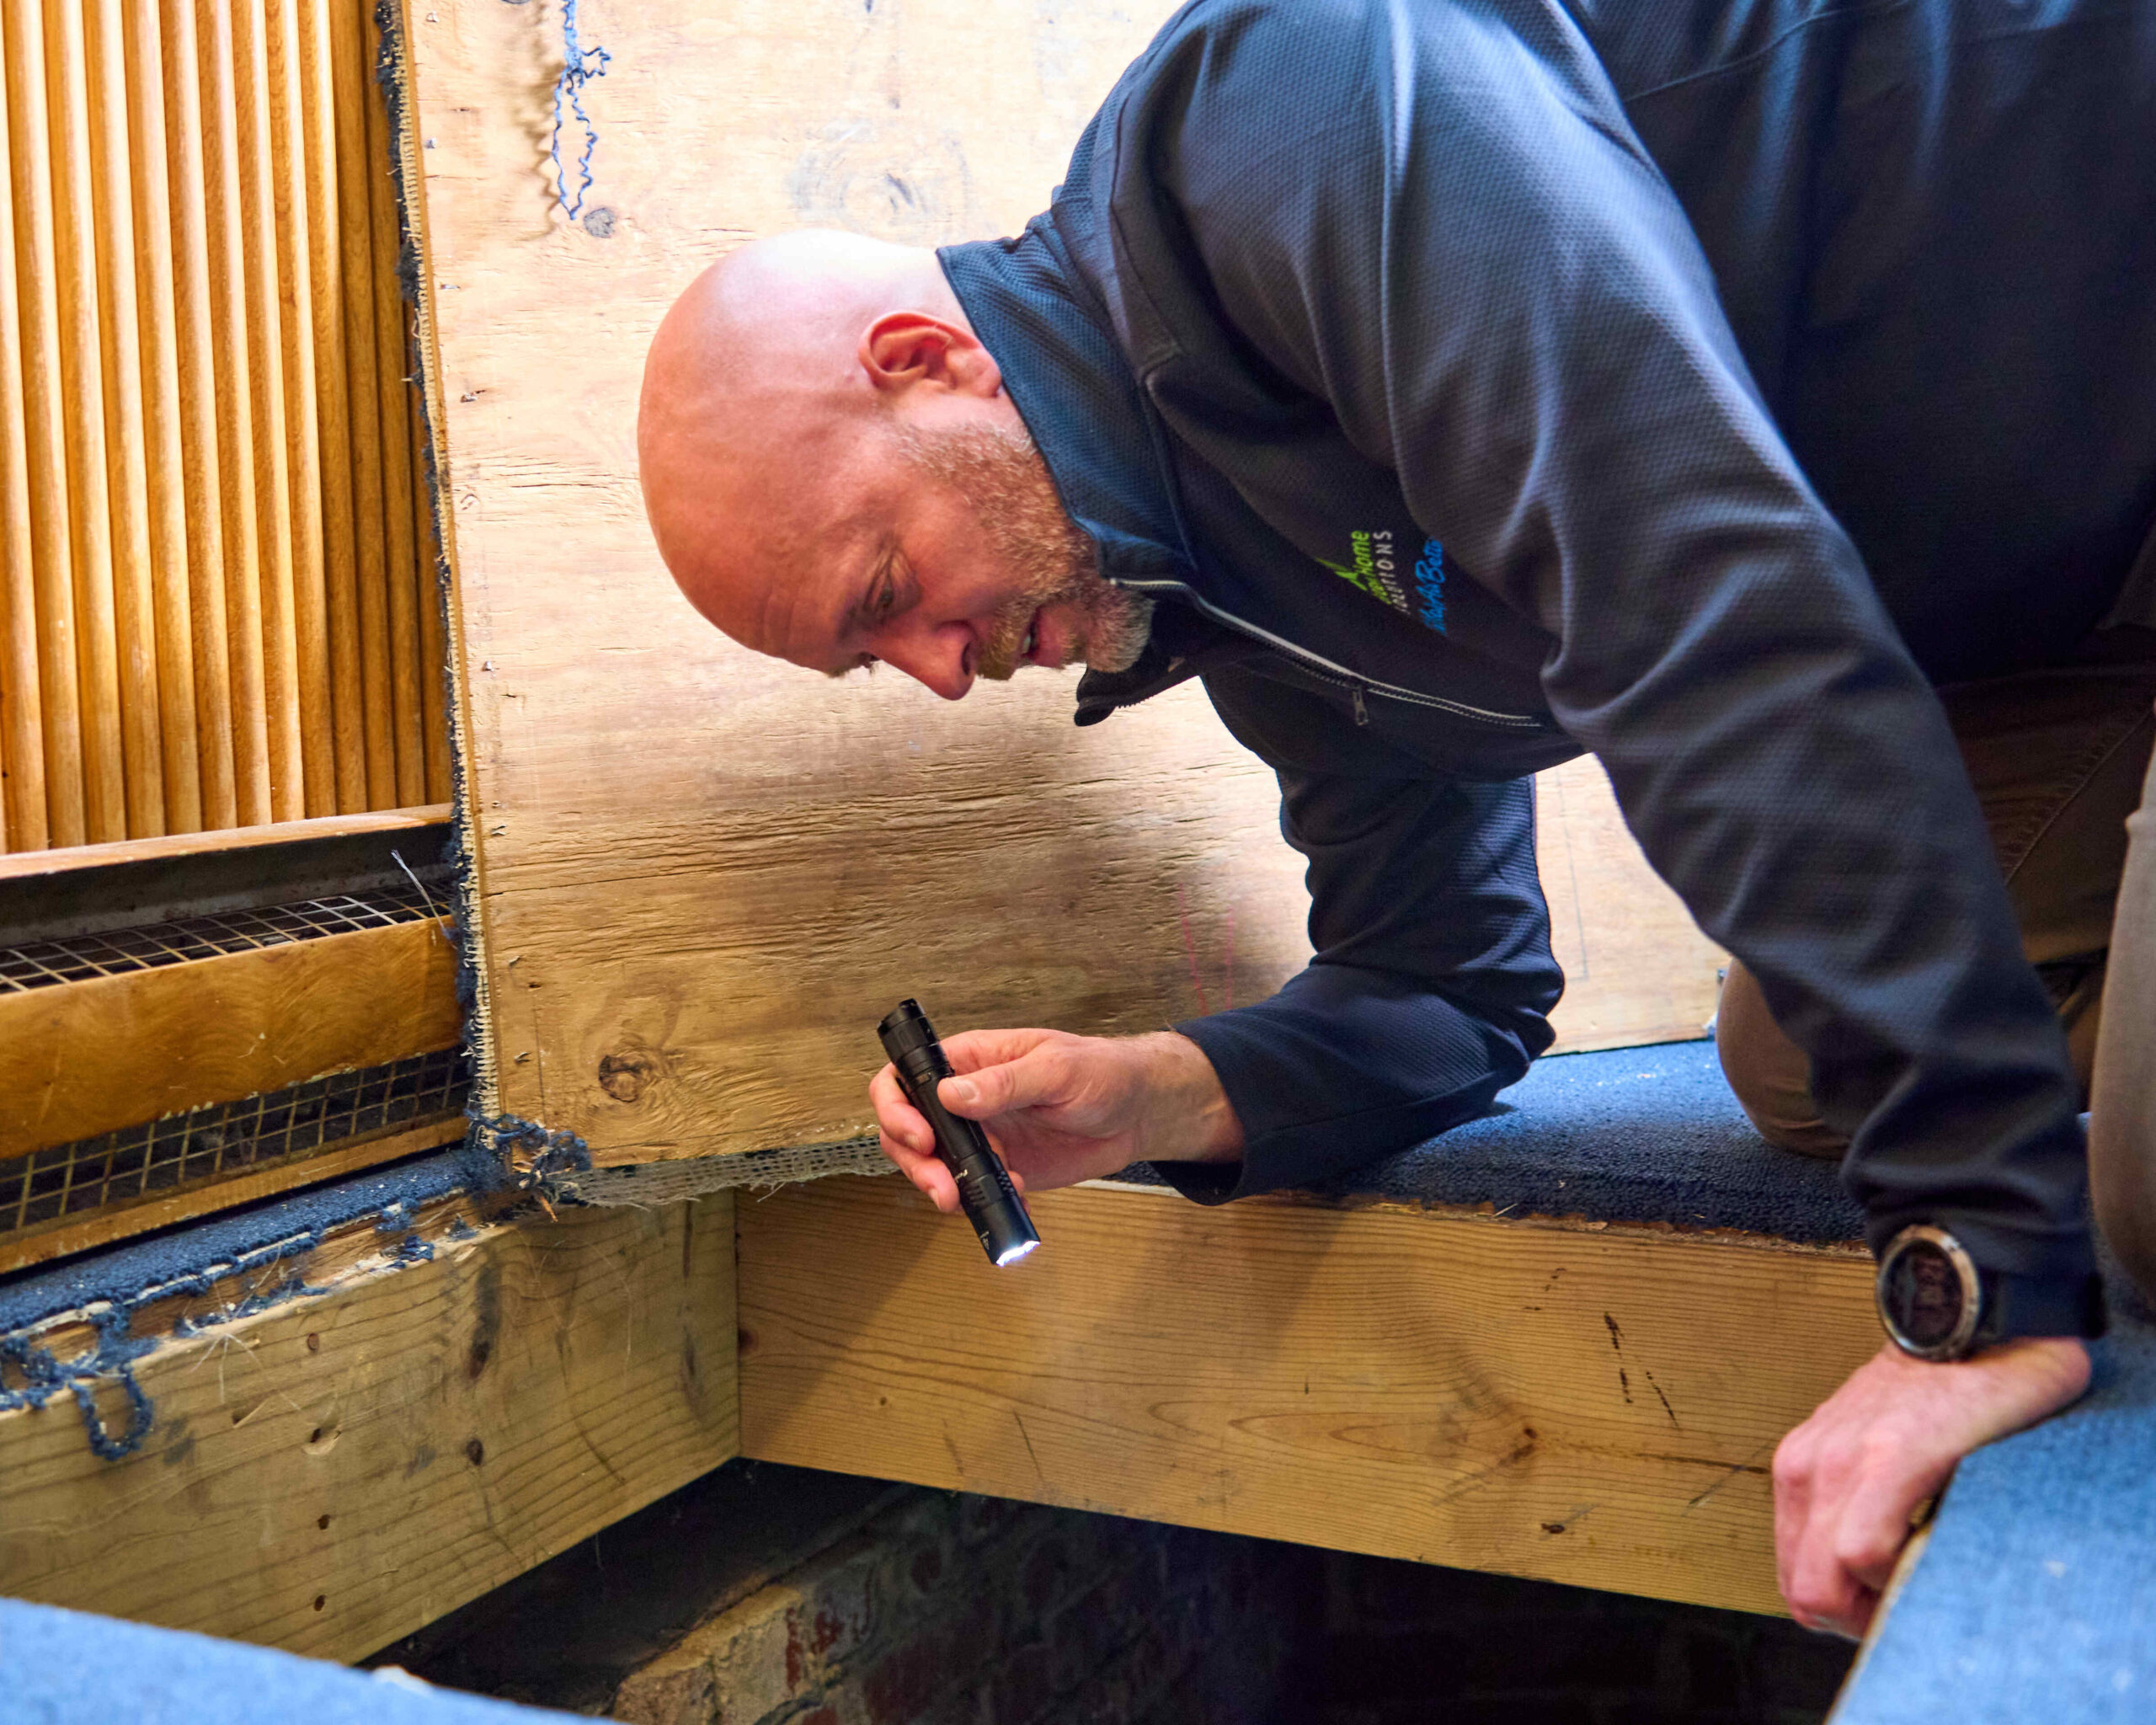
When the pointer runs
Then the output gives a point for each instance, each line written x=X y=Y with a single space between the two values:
x=1062 y=1109
x=1847 y=1480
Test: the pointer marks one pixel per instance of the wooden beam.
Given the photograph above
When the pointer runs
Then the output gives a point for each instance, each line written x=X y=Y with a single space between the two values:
x=123 y=1219
x=81 y=1058
x=1591 y=1405
x=332 y=1472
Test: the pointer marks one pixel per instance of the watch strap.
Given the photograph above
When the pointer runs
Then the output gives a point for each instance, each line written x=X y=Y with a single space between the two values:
x=2039 y=1305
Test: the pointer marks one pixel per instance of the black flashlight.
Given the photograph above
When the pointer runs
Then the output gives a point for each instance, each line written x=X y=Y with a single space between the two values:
x=991 y=1201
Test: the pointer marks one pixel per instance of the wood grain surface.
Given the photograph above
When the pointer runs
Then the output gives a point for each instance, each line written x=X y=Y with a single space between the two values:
x=81 y=1058
x=1593 y=1406
x=704 y=876
x=332 y=1473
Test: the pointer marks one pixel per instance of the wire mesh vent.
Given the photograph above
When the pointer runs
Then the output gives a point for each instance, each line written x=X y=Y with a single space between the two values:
x=209 y=1144
x=46 y=963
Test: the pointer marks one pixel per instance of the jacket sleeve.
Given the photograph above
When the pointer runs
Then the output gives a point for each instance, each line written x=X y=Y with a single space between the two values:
x=1435 y=221
x=1432 y=972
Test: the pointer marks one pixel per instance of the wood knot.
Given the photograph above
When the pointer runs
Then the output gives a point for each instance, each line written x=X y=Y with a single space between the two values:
x=475 y=1452
x=624 y=1075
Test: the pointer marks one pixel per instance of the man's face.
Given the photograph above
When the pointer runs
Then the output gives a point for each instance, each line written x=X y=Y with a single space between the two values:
x=954 y=560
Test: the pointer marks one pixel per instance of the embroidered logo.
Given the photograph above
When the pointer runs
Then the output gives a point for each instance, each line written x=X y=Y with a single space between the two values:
x=1374 y=567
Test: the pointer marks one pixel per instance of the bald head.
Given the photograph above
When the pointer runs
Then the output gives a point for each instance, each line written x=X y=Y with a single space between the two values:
x=835 y=476
x=760 y=420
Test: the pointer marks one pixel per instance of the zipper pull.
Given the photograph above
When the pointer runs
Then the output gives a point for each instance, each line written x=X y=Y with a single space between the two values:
x=1362 y=712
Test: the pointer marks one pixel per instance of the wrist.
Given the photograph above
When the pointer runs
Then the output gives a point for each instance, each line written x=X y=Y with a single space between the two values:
x=1936 y=1303
x=1191 y=1119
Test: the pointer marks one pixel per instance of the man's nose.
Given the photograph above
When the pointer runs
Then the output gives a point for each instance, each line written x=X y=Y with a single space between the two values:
x=941 y=659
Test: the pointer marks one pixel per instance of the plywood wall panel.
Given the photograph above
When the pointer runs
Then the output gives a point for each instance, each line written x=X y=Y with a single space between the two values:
x=703 y=876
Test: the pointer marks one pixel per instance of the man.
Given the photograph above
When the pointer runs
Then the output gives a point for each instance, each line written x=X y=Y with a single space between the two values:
x=1455 y=389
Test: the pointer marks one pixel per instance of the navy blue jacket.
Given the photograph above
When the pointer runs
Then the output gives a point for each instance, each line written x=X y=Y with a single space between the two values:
x=1693 y=381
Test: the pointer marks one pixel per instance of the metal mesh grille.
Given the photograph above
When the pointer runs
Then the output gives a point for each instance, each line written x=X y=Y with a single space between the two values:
x=46 y=963
x=208 y=1144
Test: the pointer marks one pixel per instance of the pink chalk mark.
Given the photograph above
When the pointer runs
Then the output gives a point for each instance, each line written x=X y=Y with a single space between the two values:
x=1190 y=950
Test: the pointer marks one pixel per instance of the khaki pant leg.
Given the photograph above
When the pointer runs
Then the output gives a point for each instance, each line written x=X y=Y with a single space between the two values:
x=2122 y=1105
x=2058 y=758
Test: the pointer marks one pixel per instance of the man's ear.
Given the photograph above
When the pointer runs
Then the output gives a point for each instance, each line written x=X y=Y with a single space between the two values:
x=904 y=351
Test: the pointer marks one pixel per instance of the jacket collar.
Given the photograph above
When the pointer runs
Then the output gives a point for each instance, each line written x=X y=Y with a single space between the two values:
x=1081 y=400
x=1076 y=393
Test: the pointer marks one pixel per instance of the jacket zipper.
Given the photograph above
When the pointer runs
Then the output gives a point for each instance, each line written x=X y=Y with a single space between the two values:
x=1356 y=687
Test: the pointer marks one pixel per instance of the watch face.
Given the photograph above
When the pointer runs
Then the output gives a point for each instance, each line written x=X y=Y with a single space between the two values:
x=1929 y=1293
x=1921 y=1294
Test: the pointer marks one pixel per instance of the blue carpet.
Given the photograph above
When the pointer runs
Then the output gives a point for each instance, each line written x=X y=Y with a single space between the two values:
x=2036 y=1602
x=68 y=1667
x=268 y=1245
x=1629 y=1135
x=267 y=1233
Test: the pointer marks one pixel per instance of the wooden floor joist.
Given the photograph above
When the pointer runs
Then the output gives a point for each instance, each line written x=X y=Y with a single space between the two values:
x=332 y=1472
x=1591 y=1405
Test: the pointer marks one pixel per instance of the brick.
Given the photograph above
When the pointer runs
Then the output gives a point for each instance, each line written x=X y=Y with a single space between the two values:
x=742 y=1656
x=1021 y=1692
x=900 y=1683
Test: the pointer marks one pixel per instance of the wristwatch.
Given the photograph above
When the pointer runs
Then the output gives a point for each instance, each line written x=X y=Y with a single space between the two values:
x=1938 y=1304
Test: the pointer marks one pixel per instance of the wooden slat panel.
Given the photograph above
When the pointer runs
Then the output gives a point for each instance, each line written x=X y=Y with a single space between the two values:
x=97 y=665
x=156 y=288
x=1582 y=1404
x=172 y=23
x=87 y=1057
x=236 y=386
x=120 y=356
x=332 y=1473
x=22 y=825
x=336 y=764
x=296 y=697
x=202 y=628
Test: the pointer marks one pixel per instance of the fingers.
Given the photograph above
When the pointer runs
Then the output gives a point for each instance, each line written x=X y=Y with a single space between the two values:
x=1848 y=1482
x=904 y=1137
x=1845 y=1484
x=970 y=1050
x=1033 y=1078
